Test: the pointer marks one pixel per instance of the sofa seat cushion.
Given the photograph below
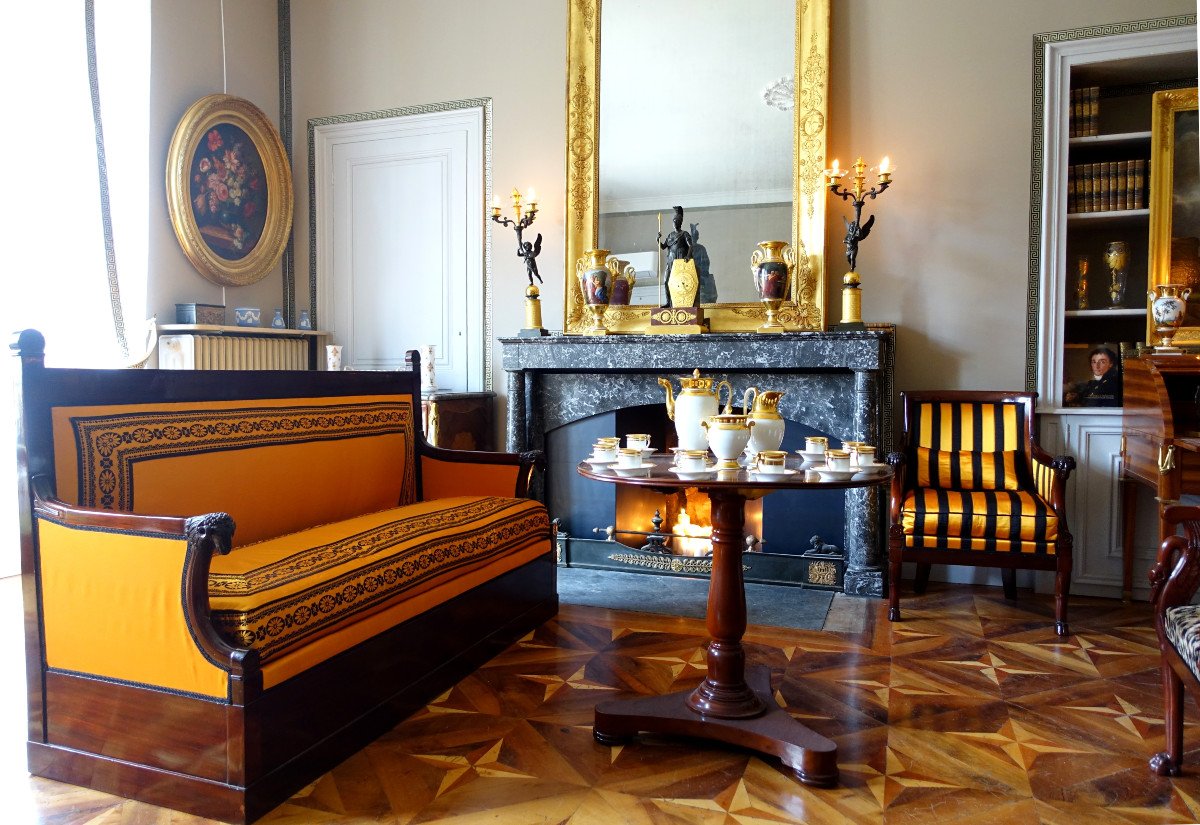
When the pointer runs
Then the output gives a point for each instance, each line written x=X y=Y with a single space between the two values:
x=1182 y=626
x=282 y=595
x=984 y=520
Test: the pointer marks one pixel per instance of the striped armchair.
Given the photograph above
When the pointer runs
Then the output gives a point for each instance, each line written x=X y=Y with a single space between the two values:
x=973 y=487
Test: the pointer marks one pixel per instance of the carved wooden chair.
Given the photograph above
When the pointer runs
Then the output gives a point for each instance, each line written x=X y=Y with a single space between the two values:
x=1173 y=582
x=974 y=487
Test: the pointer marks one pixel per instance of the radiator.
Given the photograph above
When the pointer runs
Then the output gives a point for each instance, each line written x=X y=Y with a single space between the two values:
x=231 y=352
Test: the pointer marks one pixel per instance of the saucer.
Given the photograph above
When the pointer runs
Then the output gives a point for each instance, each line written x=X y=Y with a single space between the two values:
x=811 y=458
x=834 y=475
x=632 y=472
x=876 y=469
x=648 y=451
x=597 y=464
x=693 y=475
x=772 y=476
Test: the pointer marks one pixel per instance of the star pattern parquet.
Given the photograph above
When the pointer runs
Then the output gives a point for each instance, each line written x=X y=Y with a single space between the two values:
x=969 y=711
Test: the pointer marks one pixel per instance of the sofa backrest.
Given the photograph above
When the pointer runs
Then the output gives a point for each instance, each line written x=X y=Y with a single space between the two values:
x=275 y=464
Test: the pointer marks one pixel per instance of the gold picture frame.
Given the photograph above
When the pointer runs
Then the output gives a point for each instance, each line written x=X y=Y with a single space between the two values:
x=229 y=190
x=810 y=116
x=1173 y=119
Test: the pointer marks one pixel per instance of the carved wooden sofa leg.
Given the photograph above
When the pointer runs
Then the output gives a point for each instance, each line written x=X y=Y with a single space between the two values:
x=1169 y=762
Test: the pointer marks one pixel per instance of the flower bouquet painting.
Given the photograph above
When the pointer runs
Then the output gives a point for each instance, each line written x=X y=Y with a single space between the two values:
x=229 y=195
x=229 y=190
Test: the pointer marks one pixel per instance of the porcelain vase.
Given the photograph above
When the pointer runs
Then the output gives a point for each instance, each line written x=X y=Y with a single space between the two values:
x=1167 y=308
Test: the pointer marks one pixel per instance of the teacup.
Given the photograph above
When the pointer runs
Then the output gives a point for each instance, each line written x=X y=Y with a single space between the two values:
x=630 y=457
x=604 y=451
x=863 y=456
x=692 y=461
x=639 y=441
x=837 y=460
x=851 y=446
x=771 y=461
x=816 y=444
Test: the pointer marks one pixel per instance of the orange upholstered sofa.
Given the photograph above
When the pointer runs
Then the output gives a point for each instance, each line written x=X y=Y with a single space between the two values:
x=233 y=580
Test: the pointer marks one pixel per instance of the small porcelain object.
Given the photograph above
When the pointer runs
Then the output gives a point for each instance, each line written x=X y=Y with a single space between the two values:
x=771 y=461
x=816 y=444
x=640 y=441
x=698 y=399
x=602 y=451
x=862 y=455
x=728 y=436
x=690 y=475
x=305 y=320
x=837 y=460
x=247 y=316
x=763 y=409
x=277 y=322
x=631 y=472
x=692 y=461
x=810 y=458
x=827 y=474
x=629 y=457
x=333 y=357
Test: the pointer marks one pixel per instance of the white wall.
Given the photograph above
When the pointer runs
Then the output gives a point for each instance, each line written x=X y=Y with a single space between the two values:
x=187 y=65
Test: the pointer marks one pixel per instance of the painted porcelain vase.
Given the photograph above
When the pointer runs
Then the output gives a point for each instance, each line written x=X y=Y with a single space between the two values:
x=595 y=280
x=623 y=277
x=698 y=400
x=771 y=265
x=1167 y=307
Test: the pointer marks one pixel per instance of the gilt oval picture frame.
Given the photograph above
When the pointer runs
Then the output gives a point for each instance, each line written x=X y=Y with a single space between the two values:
x=229 y=190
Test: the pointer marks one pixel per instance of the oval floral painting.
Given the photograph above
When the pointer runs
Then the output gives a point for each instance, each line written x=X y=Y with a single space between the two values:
x=228 y=191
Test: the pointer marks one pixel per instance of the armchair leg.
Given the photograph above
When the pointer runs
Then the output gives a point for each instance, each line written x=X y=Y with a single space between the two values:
x=894 y=562
x=1062 y=592
x=922 y=580
x=1008 y=576
x=1169 y=762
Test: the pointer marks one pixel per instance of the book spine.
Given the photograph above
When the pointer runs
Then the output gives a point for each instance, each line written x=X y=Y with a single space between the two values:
x=1093 y=110
x=1122 y=185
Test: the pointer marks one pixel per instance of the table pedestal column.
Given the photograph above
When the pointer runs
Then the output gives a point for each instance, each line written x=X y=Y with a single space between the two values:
x=729 y=705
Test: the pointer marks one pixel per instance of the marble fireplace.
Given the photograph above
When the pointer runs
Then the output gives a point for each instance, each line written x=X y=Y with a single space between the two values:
x=563 y=391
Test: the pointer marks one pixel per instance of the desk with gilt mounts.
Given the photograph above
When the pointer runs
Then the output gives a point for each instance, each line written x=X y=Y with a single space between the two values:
x=1160 y=441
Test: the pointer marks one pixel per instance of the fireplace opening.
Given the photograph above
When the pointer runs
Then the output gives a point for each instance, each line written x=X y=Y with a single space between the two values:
x=784 y=523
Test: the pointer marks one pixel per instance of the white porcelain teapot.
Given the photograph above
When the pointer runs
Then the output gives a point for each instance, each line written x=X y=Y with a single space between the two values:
x=763 y=409
x=698 y=399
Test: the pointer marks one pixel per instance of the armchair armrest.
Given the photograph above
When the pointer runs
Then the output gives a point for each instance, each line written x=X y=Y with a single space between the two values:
x=1175 y=575
x=1050 y=474
x=125 y=596
x=897 y=463
x=475 y=472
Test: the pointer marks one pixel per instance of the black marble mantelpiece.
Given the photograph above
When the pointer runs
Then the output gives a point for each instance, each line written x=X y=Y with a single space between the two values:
x=837 y=382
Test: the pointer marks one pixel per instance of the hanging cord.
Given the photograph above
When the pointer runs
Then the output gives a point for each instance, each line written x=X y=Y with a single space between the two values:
x=110 y=255
x=224 y=70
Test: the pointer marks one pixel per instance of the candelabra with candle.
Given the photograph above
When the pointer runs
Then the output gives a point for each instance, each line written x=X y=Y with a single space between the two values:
x=528 y=252
x=856 y=231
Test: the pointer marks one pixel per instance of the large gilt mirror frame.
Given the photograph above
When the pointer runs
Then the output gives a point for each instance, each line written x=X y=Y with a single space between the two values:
x=811 y=67
x=1174 y=200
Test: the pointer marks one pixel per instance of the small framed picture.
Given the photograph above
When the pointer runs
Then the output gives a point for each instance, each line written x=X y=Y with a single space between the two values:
x=1092 y=375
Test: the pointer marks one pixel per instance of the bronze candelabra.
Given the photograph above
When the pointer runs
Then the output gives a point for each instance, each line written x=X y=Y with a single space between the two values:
x=528 y=252
x=856 y=231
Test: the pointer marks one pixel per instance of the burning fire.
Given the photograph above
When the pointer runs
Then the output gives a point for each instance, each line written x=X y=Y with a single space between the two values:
x=694 y=538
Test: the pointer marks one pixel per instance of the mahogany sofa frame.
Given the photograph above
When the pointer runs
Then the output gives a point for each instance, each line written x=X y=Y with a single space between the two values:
x=1173 y=582
x=1009 y=563
x=244 y=757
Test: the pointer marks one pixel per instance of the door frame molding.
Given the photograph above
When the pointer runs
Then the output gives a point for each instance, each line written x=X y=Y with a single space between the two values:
x=319 y=254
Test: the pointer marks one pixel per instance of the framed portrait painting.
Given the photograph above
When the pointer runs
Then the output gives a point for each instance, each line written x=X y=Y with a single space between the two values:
x=229 y=190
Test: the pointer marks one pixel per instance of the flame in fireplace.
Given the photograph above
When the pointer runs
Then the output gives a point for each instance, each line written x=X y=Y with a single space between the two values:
x=690 y=539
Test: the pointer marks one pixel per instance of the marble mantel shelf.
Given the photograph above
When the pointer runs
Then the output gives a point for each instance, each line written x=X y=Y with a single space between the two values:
x=838 y=382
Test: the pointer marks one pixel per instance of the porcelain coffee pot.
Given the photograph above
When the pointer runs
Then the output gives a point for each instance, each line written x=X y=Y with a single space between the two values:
x=698 y=399
x=763 y=409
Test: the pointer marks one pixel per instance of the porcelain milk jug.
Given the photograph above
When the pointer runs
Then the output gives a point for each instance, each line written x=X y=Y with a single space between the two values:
x=763 y=409
x=698 y=399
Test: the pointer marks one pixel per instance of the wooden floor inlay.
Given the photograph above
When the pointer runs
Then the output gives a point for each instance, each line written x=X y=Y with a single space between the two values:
x=969 y=711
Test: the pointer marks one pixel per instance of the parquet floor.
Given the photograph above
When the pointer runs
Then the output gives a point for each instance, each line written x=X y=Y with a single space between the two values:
x=971 y=710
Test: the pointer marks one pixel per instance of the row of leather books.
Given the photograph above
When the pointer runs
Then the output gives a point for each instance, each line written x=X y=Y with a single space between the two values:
x=1106 y=187
x=1084 y=119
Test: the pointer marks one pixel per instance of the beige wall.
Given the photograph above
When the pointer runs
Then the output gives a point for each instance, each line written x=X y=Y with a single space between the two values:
x=943 y=86
x=186 y=60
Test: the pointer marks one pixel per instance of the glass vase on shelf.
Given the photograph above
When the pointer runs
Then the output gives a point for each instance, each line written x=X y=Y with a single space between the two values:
x=1081 y=282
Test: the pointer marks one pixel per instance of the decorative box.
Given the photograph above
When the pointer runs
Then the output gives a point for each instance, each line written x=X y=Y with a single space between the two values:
x=824 y=566
x=200 y=314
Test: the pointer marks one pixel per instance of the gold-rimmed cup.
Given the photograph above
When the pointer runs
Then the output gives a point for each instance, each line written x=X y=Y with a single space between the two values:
x=838 y=460
x=771 y=461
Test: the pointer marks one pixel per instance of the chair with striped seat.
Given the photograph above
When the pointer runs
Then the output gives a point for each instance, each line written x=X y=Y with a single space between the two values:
x=974 y=487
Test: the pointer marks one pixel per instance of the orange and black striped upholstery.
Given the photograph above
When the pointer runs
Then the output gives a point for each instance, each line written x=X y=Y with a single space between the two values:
x=973 y=486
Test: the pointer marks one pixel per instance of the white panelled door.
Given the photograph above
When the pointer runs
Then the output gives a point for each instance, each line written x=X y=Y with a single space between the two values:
x=401 y=241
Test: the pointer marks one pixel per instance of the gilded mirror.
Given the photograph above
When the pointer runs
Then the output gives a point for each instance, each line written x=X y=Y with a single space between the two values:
x=1175 y=204
x=644 y=116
